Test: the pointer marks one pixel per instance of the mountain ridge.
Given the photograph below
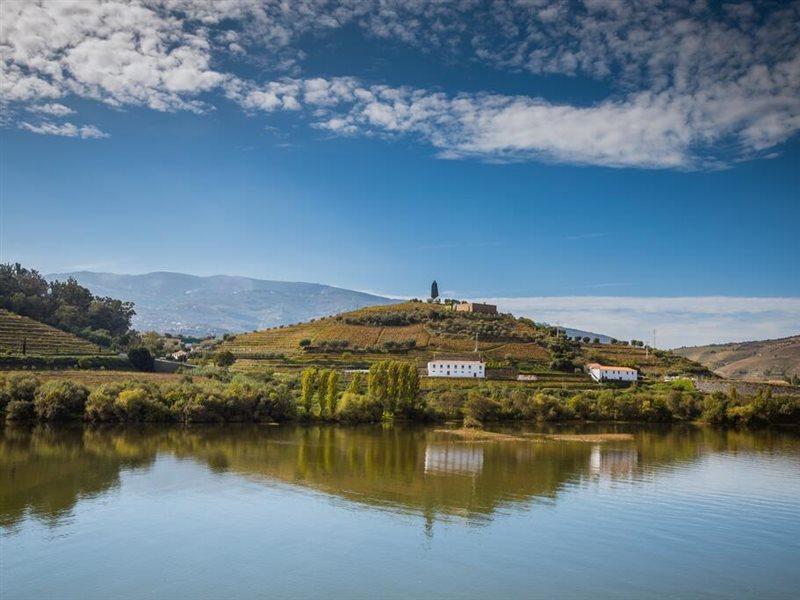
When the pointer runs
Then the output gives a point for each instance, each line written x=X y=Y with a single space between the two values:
x=173 y=302
x=756 y=359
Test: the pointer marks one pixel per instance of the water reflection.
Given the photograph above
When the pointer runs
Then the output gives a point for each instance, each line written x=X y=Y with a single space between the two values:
x=45 y=471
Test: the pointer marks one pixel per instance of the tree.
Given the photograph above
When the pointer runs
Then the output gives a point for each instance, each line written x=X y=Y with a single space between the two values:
x=322 y=391
x=308 y=384
x=596 y=340
x=66 y=305
x=434 y=290
x=586 y=339
x=332 y=393
x=224 y=358
x=305 y=343
x=141 y=359
x=354 y=387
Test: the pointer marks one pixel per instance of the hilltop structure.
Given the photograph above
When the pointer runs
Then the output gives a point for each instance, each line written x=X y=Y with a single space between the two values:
x=434 y=290
x=476 y=307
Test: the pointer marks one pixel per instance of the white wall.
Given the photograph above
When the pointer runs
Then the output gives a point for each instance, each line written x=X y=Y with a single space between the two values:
x=613 y=374
x=456 y=368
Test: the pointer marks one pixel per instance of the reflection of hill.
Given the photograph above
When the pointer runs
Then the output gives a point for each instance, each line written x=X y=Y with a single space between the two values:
x=44 y=472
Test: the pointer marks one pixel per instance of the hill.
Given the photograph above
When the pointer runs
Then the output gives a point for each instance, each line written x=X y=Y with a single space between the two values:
x=192 y=305
x=39 y=338
x=417 y=330
x=761 y=360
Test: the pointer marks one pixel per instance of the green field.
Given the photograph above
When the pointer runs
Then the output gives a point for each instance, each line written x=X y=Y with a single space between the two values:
x=38 y=338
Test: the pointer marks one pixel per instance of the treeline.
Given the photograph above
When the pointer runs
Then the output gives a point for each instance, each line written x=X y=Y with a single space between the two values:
x=391 y=390
x=341 y=346
x=392 y=318
x=66 y=305
x=193 y=400
x=660 y=404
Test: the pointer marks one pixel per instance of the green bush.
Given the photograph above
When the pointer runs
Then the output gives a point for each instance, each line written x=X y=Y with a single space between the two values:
x=224 y=358
x=20 y=410
x=359 y=408
x=60 y=401
x=480 y=407
x=141 y=359
x=101 y=404
x=137 y=405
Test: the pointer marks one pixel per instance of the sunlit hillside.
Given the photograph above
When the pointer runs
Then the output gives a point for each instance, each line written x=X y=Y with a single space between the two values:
x=17 y=332
x=418 y=330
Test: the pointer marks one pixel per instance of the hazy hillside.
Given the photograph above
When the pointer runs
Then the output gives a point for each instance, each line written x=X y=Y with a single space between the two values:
x=180 y=303
x=765 y=359
x=38 y=338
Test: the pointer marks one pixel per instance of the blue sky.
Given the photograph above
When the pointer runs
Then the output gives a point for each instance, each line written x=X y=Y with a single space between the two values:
x=568 y=149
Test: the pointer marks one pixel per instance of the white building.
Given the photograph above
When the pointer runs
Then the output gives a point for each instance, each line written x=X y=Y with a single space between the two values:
x=468 y=366
x=607 y=373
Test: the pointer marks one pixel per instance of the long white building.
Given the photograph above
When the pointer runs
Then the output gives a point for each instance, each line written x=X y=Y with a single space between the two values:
x=454 y=366
x=609 y=373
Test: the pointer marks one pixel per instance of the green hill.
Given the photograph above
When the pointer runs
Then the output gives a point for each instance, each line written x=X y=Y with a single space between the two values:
x=38 y=338
x=418 y=330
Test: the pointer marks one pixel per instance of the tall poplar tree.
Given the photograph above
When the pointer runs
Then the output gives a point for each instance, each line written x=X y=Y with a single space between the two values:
x=308 y=386
x=332 y=394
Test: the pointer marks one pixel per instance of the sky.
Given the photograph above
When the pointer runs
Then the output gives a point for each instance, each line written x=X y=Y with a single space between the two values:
x=615 y=166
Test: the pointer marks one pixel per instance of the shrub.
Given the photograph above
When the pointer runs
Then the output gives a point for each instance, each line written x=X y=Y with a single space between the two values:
x=22 y=387
x=480 y=407
x=715 y=408
x=224 y=358
x=100 y=406
x=446 y=404
x=141 y=359
x=359 y=408
x=136 y=405
x=20 y=410
x=60 y=401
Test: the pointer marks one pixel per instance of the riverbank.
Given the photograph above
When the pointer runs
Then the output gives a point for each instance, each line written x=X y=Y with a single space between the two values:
x=219 y=396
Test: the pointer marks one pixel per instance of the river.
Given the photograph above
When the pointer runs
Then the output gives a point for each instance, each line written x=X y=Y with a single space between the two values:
x=397 y=512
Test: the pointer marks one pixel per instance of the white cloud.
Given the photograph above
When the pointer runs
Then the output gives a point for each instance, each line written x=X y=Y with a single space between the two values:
x=53 y=108
x=692 y=86
x=64 y=130
x=116 y=52
x=684 y=321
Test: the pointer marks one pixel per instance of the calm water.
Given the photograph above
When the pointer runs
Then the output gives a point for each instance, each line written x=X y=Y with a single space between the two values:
x=290 y=512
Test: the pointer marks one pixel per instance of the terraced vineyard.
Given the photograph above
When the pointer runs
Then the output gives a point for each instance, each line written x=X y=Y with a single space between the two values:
x=38 y=338
x=416 y=331
x=368 y=338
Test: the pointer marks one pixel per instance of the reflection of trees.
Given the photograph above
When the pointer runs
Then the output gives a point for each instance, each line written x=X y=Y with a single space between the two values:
x=45 y=471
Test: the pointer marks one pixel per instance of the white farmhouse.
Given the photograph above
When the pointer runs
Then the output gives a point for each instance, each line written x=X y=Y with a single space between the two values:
x=607 y=373
x=471 y=366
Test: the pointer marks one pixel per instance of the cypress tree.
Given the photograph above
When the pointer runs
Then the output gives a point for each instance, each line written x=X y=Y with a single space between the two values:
x=434 y=290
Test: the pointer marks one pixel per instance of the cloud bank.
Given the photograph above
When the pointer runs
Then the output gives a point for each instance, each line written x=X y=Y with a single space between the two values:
x=686 y=321
x=693 y=85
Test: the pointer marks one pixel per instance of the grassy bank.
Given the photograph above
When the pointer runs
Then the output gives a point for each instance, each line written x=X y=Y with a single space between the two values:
x=391 y=391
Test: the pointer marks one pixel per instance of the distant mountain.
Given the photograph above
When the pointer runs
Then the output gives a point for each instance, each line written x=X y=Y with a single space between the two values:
x=766 y=359
x=192 y=305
